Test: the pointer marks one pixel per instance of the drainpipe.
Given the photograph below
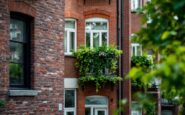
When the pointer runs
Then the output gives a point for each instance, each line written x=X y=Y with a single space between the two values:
x=120 y=47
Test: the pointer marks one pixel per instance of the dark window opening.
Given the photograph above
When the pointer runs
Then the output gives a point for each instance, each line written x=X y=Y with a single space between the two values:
x=20 y=50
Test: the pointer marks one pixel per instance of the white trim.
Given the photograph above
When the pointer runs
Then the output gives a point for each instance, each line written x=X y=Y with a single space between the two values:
x=94 y=107
x=69 y=30
x=97 y=31
x=135 y=45
x=71 y=83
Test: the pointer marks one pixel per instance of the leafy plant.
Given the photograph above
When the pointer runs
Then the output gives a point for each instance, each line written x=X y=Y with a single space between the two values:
x=98 y=65
x=146 y=64
x=163 y=30
x=2 y=103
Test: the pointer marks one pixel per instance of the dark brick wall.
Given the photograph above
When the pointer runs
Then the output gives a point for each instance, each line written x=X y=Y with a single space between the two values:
x=47 y=56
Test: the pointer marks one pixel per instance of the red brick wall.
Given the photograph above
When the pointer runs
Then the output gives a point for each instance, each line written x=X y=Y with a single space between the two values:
x=80 y=11
x=47 y=56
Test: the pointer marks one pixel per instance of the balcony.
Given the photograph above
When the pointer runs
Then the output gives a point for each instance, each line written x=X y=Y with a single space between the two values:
x=97 y=65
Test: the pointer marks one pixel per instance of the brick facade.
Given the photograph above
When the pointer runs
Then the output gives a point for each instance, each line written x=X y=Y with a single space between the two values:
x=47 y=56
x=82 y=10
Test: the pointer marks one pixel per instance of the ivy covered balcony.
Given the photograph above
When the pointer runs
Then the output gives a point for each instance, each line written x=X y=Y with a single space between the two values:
x=97 y=65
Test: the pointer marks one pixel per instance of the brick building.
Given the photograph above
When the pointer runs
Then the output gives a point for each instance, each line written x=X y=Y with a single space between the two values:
x=37 y=73
x=85 y=22
x=31 y=42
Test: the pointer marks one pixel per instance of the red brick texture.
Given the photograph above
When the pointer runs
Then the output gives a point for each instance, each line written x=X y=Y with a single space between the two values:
x=47 y=56
x=81 y=11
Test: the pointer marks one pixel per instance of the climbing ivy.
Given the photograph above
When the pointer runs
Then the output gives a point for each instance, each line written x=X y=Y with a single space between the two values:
x=97 y=65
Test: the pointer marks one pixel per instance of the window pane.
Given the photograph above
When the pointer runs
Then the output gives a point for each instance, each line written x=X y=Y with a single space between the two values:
x=96 y=40
x=96 y=26
x=133 y=51
x=88 y=26
x=139 y=50
x=70 y=113
x=16 y=74
x=69 y=98
x=65 y=41
x=101 y=112
x=87 y=111
x=87 y=39
x=96 y=100
x=70 y=24
x=17 y=30
x=104 y=38
x=72 y=41
x=16 y=51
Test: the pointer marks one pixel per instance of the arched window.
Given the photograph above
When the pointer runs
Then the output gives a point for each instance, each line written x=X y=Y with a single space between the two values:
x=96 y=105
x=96 y=32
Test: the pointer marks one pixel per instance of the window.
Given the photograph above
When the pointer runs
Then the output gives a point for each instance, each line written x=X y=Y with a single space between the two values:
x=136 y=109
x=20 y=49
x=96 y=32
x=96 y=105
x=135 y=4
x=70 y=102
x=70 y=36
x=166 y=112
x=136 y=49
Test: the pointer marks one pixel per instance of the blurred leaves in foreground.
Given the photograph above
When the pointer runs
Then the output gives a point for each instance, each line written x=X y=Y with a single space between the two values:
x=163 y=31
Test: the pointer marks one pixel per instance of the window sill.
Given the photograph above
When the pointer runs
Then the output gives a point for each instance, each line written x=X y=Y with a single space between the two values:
x=29 y=93
x=68 y=55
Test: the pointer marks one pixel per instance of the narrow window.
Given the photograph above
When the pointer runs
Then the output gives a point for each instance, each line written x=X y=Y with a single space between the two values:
x=70 y=102
x=136 y=4
x=136 y=49
x=70 y=36
x=20 y=49
x=96 y=32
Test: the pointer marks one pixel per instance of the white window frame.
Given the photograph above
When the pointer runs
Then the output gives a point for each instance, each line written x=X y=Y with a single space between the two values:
x=68 y=30
x=135 y=4
x=97 y=31
x=135 y=45
x=71 y=109
x=98 y=107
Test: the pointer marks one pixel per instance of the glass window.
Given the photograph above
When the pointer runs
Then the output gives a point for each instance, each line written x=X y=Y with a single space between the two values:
x=136 y=49
x=135 y=4
x=96 y=32
x=19 y=69
x=96 y=100
x=136 y=109
x=96 y=105
x=70 y=36
x=70 y=102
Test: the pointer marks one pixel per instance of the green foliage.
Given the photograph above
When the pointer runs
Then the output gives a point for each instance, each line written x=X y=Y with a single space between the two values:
x=141 y=61
x=146 y=64
x=98 y=64
x=147 y=103
x=99 y=80
x=2 y=103
x=163 y=30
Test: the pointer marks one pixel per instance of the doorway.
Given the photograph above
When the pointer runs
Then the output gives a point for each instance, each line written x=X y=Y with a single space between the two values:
x=96 y=105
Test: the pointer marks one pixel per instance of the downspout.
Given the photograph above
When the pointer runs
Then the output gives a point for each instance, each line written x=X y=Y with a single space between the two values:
x=120 y=47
